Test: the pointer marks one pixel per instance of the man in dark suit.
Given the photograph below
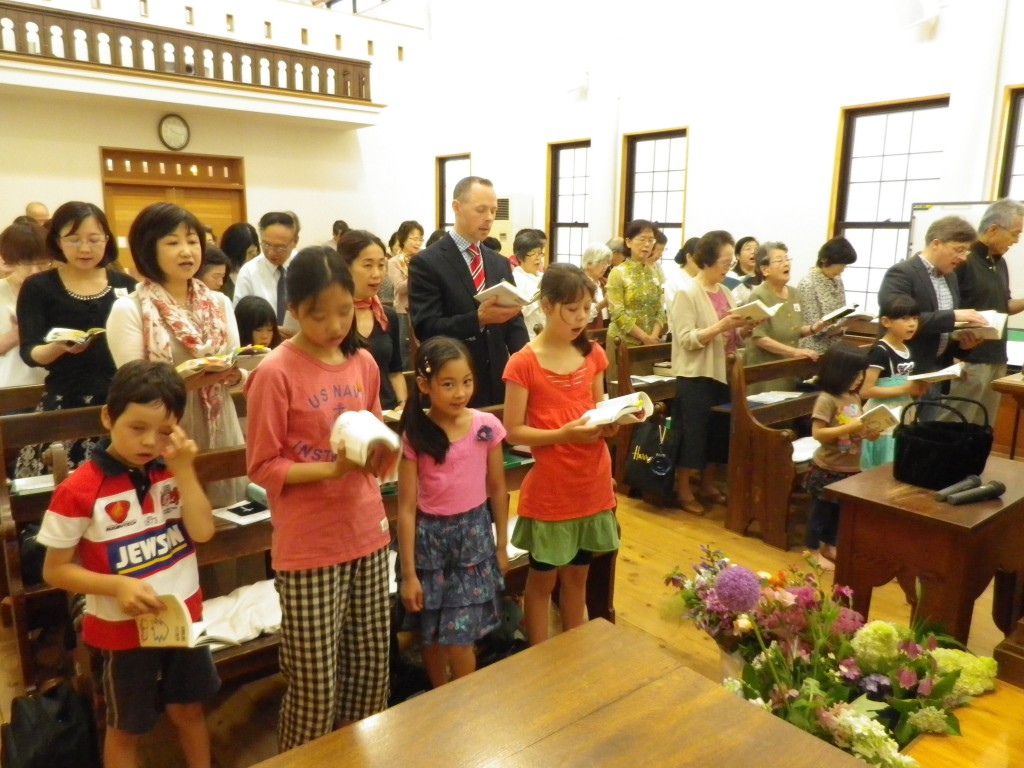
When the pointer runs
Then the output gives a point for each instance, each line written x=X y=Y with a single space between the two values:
x=444 y=278
x=928 y=279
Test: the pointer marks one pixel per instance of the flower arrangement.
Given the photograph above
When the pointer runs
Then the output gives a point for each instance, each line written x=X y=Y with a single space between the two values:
x=809 y=658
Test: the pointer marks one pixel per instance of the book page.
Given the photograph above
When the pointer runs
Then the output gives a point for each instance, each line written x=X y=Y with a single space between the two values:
x=171 y=628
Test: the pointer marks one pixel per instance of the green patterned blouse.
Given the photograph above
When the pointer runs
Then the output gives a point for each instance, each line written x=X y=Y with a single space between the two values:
x=635 y=298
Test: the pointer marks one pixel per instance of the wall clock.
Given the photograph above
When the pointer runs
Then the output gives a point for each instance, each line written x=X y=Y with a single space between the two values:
x=174 y=132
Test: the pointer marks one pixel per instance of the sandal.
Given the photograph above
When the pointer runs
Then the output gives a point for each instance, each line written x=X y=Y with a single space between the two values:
x=692 y=506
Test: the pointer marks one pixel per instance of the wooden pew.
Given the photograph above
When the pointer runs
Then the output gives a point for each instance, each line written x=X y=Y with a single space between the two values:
x=20 y=398
x=28 y=607
x=761 y=470
x=639 y=361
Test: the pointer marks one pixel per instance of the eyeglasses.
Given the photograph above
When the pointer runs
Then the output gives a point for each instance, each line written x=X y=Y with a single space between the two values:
x=275 y=248
x=414 y=239
x=960 y=250
x=727 y=265
x=783 y=260
x=79 y=243
x=642 y=240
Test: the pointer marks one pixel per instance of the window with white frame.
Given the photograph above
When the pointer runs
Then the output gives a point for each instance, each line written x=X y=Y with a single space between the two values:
x=656 y=183
x=569 y=227
x=890 y=158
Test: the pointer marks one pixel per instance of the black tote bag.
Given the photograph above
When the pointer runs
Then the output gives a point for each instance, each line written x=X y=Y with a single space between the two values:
x=650 y=466
x=935 y=454
x=50 y=729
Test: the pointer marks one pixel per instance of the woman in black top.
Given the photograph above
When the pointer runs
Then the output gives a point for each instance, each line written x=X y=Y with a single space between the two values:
x=377 y=324
x=77 y=294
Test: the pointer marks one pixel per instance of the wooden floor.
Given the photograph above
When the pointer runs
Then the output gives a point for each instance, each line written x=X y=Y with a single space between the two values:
x=654 y=541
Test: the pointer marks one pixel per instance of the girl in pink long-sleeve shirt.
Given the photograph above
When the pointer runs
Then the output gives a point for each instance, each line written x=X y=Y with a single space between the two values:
x=330 y=538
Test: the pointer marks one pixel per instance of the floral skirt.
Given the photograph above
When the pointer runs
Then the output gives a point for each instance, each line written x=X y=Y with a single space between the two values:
x=30 y=461
x=557 y=542
x=461 y=579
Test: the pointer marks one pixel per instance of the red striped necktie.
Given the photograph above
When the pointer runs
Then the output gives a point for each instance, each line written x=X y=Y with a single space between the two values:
x=476 y=267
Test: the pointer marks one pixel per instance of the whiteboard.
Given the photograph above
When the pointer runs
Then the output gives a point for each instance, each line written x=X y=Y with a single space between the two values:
x=923 y=214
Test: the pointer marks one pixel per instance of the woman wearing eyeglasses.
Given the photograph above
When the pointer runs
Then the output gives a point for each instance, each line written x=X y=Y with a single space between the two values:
x=823 y=291
x=635 y=297
x=78 y=294
x=704 y=340
x=778 y=337
x=410 y=241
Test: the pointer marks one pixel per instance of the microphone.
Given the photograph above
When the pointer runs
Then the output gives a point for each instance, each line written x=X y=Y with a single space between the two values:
x=971 y=481
x=993 y=489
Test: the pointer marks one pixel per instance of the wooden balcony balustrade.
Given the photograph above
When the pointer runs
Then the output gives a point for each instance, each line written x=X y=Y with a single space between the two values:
x=77 y=39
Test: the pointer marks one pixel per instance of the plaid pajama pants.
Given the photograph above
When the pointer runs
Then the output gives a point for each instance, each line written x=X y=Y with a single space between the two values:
x=334 y=646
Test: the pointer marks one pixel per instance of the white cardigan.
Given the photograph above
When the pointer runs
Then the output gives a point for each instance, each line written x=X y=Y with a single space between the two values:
x=690 y=313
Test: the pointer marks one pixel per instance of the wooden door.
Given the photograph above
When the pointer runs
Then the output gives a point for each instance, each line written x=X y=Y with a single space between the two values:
x=210 y=187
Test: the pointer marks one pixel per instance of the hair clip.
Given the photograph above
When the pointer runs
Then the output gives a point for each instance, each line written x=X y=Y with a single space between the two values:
x=426 y=368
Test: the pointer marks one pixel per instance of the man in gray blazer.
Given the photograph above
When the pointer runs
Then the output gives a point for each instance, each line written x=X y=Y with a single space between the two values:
x=443 y=283
x=928 y=278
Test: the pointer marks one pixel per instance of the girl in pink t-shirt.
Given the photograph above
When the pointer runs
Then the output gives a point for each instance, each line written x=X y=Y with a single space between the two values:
x=452 y=462
x=566 y=502
x=331 y=536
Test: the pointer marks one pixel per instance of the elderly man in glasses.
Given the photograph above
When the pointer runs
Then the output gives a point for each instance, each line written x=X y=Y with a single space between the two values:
x=263 y=276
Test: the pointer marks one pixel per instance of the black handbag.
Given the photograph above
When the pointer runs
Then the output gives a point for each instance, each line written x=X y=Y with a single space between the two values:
x=650 y=465
x=934 y=454
x=50 y=729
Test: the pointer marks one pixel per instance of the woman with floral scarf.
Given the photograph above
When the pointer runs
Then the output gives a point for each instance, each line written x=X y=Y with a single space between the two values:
x=174 y=317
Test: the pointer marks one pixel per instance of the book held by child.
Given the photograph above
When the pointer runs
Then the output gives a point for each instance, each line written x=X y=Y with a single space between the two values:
x=626 y=409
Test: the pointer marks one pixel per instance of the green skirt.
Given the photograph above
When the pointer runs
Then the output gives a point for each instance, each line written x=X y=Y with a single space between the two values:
x=558 y=542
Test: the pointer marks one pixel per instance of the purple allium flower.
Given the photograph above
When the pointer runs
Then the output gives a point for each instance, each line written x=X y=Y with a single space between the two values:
x=877 y=687
x=907 y=678
x=738 y=589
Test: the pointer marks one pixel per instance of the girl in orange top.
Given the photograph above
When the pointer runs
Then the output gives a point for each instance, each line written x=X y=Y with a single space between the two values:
x=566 y=502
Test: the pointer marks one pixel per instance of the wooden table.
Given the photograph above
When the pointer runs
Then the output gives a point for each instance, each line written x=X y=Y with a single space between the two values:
x=890 y=530
x=599 y=695
x=1012 y=386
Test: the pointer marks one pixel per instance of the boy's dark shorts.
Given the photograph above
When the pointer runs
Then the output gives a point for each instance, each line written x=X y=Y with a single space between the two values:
x=137 y=684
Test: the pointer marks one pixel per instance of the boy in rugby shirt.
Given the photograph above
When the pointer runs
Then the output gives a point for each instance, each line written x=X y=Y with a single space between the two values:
x=120 y=530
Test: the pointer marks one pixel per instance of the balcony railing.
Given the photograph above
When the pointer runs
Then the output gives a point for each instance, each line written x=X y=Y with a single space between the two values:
x=77 y=39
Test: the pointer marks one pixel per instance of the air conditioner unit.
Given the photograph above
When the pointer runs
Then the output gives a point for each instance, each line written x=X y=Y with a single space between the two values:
x=515 y=212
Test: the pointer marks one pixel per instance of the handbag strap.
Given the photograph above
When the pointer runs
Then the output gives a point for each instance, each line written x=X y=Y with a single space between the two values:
x=938 y=404
x=984 y=410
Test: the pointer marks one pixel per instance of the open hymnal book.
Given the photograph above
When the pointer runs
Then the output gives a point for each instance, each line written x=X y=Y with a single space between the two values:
x=626 y=409
x=880 y=419
x=847 y=314
x=357 y=432
x=507 y=294
x=651 y=378
x=243 y=512
x=757 y=310
x=72 y=335
x=173 y=627
x=777 y=396
x=247 y=357
x=991 y=332
x=946 y=374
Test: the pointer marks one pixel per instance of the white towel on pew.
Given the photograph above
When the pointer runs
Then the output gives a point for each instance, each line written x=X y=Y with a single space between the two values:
x=245 y=614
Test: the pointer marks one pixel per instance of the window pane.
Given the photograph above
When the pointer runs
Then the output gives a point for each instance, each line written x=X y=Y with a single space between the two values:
x=919 y=192
x=579 y=209
x=644 y=182
x=866 y=169
x=894 y=167
x=642 y=205
x=658 y=210
x=929 y=130
x=566 y=162
x=862 y=202
x=644 y=156
x=926 y=165
x=897 y=132
x=677 y=154
x=890 y=201
x=868 y=135
x=661 y=149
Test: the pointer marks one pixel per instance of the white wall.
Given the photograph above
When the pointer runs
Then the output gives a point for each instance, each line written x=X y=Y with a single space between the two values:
x=759 y=86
